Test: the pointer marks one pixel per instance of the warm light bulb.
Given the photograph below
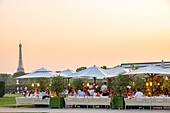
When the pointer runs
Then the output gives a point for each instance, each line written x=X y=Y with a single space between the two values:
x=38 y=84
x=147 y=84
x=32 y=84
x=69 y=84
x=158 y=84
x=88 y=84
x=150 y=83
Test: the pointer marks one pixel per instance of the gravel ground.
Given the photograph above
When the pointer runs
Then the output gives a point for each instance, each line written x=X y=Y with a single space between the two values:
x=79 y=110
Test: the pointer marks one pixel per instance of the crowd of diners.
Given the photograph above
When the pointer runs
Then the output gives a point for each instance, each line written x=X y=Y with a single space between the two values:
x=95 y=91
x=136 y=93
x=90 y=90
x=37 y=93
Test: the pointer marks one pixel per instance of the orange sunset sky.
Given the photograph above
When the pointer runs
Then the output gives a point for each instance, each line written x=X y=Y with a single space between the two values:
x=67 y=34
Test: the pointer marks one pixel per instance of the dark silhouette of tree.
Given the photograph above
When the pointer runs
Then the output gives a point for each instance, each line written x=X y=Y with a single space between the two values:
x=18 y=74
x=104 y=67
x=81 y=68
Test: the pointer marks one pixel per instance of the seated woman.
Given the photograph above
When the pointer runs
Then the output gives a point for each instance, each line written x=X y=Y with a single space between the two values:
x=37 y=93
x=128 y=93
x=25 y=93
x=147 y=93
x=157 y=92
x=96 y=93
x=71 y=92
x=31 y=94
x=105 y=92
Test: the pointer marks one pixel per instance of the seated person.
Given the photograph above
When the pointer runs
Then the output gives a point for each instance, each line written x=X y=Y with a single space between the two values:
x=82 y=93
x=31 y=94
x=105 y=92
x=76 y=92
x=138 y=94
x=43 y=94
x=129 y=94
x=71 y=92
x=157 y=92
x=147 y=93
x=25 y=93
x=36 y=93
x=96 y=93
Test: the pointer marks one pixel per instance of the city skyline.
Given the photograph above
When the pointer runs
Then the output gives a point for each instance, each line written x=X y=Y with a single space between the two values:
x=68 y=34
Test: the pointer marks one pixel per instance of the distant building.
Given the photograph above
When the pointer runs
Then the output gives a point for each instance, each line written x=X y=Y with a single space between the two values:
x=162 y=64
x=20 y=63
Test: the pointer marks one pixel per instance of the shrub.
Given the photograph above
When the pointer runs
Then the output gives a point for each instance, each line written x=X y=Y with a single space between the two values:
x=2 y=88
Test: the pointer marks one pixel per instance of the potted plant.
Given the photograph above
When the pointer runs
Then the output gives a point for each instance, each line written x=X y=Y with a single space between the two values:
x=57 y=86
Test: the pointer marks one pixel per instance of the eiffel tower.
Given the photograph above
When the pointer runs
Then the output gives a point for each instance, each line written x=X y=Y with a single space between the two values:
x=20 y=64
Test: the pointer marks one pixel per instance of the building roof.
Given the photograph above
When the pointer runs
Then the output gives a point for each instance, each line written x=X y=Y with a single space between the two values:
x=164 y=64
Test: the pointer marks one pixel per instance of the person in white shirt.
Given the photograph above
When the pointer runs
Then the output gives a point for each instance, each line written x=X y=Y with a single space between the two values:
x=103 y=87
x=138 y=94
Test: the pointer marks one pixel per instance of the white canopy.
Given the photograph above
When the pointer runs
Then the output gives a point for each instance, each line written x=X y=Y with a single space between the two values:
x=39 y=73
x=66 y=72
x=150 y=70
x=90 y=72
x=117 y=70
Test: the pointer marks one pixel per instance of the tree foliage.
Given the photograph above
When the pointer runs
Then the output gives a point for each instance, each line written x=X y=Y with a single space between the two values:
x=8 y=79
x=104 y=67
x=2 y=88
x=80 y=69
x=18 y=74
x=57 y=84
x=78 y=83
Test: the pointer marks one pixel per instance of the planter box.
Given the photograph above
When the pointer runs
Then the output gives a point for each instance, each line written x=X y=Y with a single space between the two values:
x=117 y=102
x=57 y=102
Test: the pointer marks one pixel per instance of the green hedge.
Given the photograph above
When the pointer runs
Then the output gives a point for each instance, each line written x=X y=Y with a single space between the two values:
x=2 y=88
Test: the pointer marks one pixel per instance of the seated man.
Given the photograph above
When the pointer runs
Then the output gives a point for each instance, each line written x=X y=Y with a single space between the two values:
x=82 y=93
x=43 y=94
x=138 y=94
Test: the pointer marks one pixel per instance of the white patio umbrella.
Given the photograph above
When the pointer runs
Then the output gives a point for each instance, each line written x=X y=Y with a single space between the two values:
x=117 y=70
x=92 y=72
x=149 y=71
x=65 y=73
x=39 y=73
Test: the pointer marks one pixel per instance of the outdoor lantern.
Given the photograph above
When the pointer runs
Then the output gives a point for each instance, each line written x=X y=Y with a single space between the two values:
x=32 y=84
x=69 y=84
x=83 y=84
x=158 y=83
x=88 y=84
x=147 y=84
x=150 y=83
x=38 y=84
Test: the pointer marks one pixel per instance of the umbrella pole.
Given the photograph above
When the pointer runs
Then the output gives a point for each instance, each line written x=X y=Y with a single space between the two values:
x=68 y=83
x=152 y=85
x=94 y=80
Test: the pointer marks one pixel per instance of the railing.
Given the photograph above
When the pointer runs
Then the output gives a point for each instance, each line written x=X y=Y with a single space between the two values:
x=148 y=101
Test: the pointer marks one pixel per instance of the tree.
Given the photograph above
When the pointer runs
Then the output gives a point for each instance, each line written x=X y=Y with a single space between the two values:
x=120 y=82
x=104 y=67
x=8 y=79
x=57 y=85
x=2 y=88
x=81 y=68
x=78 y=83
x=18 y=74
